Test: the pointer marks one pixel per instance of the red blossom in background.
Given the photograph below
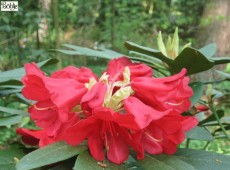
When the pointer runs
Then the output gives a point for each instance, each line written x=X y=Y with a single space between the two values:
x=125 y=108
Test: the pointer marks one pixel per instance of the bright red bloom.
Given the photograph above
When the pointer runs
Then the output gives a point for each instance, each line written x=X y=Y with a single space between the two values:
x=125 y=108
x=64 y=93
x=94 y=97
x=163 y=135
x=47 y=135
x=143 y=113
x=118 y=65
x=55 y=97
x=82 y=75
x=106 y=129
x=164 y=93
x=202 y=108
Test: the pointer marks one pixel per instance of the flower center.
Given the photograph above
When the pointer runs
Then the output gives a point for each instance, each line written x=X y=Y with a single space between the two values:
x=117 y=91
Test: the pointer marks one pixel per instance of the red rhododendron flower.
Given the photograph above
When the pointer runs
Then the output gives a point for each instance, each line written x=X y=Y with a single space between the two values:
x=82 y=75
x=55 y=98
x=105 y=129
x=163 y=135
x=164 y=93
x=125 y=108
x=63 y=92
x=47 y=135
x=118 y=65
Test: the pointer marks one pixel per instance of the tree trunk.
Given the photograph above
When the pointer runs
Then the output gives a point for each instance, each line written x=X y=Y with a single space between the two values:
x=214 y=28
x=112 y=23
x=56 y=27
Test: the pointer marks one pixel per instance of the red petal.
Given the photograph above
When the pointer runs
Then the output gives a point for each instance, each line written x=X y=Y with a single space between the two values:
x=189 y=122
x=140 y=70
x=117 y=65
x=65 y=94
x=94 y=97
x=143 y=113
x=80 y=131
x=43 y=117
x=118 y=150
x=96 y=144
x=170 y=148
x=82 y=75
x=27 y=138
x=151 y=145
x=126 y=120
x=164 y=93
x=31 y=83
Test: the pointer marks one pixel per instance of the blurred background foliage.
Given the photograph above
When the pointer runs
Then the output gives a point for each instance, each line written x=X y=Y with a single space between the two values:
x=26 y=34
x=42 y=25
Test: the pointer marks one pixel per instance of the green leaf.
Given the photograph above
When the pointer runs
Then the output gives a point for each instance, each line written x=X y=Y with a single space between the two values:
x=8 y=158
x=148 y=51
x=49 y=154
x=163 y=162
x=191 y=59
x=102 y=53
x=12 y=111
x=212 y=117
x=175 y=43
x=17 y=74
x=86 y=161
x=23 y=99
x=199 y=133
x=10 y=120
x=9 y=91
x=227 y=127
x=161 y=44
x=221 y=60
x=208 y=50
x=203 y=160
x=223 y=74
x=146 y=58
x=197 y=88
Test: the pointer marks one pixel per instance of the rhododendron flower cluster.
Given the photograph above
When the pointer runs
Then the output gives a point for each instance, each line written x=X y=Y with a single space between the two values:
x=125 y=108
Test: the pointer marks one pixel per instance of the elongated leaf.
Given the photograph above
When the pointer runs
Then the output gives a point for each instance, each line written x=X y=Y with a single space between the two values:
x=12 y=111
x=193 y=60
x=161 y=44
x=175 y=43
x=85 y=161
x=208 y=50
x=69 y=52
x=102 y=53
x=10 y=120
x=223 y=74
x=9 y=91
x=197 y=88
x=173 y=162
x=85 y=50
x=147 y=57
x=164 y=162
x=203 y=160
x=17 y=74
x=23 y=99
x=227 y=127
x=49 y=154
x=8 y=158
x=212 y=118
x=199 y=133
x=148 y=51
x=221 y=60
